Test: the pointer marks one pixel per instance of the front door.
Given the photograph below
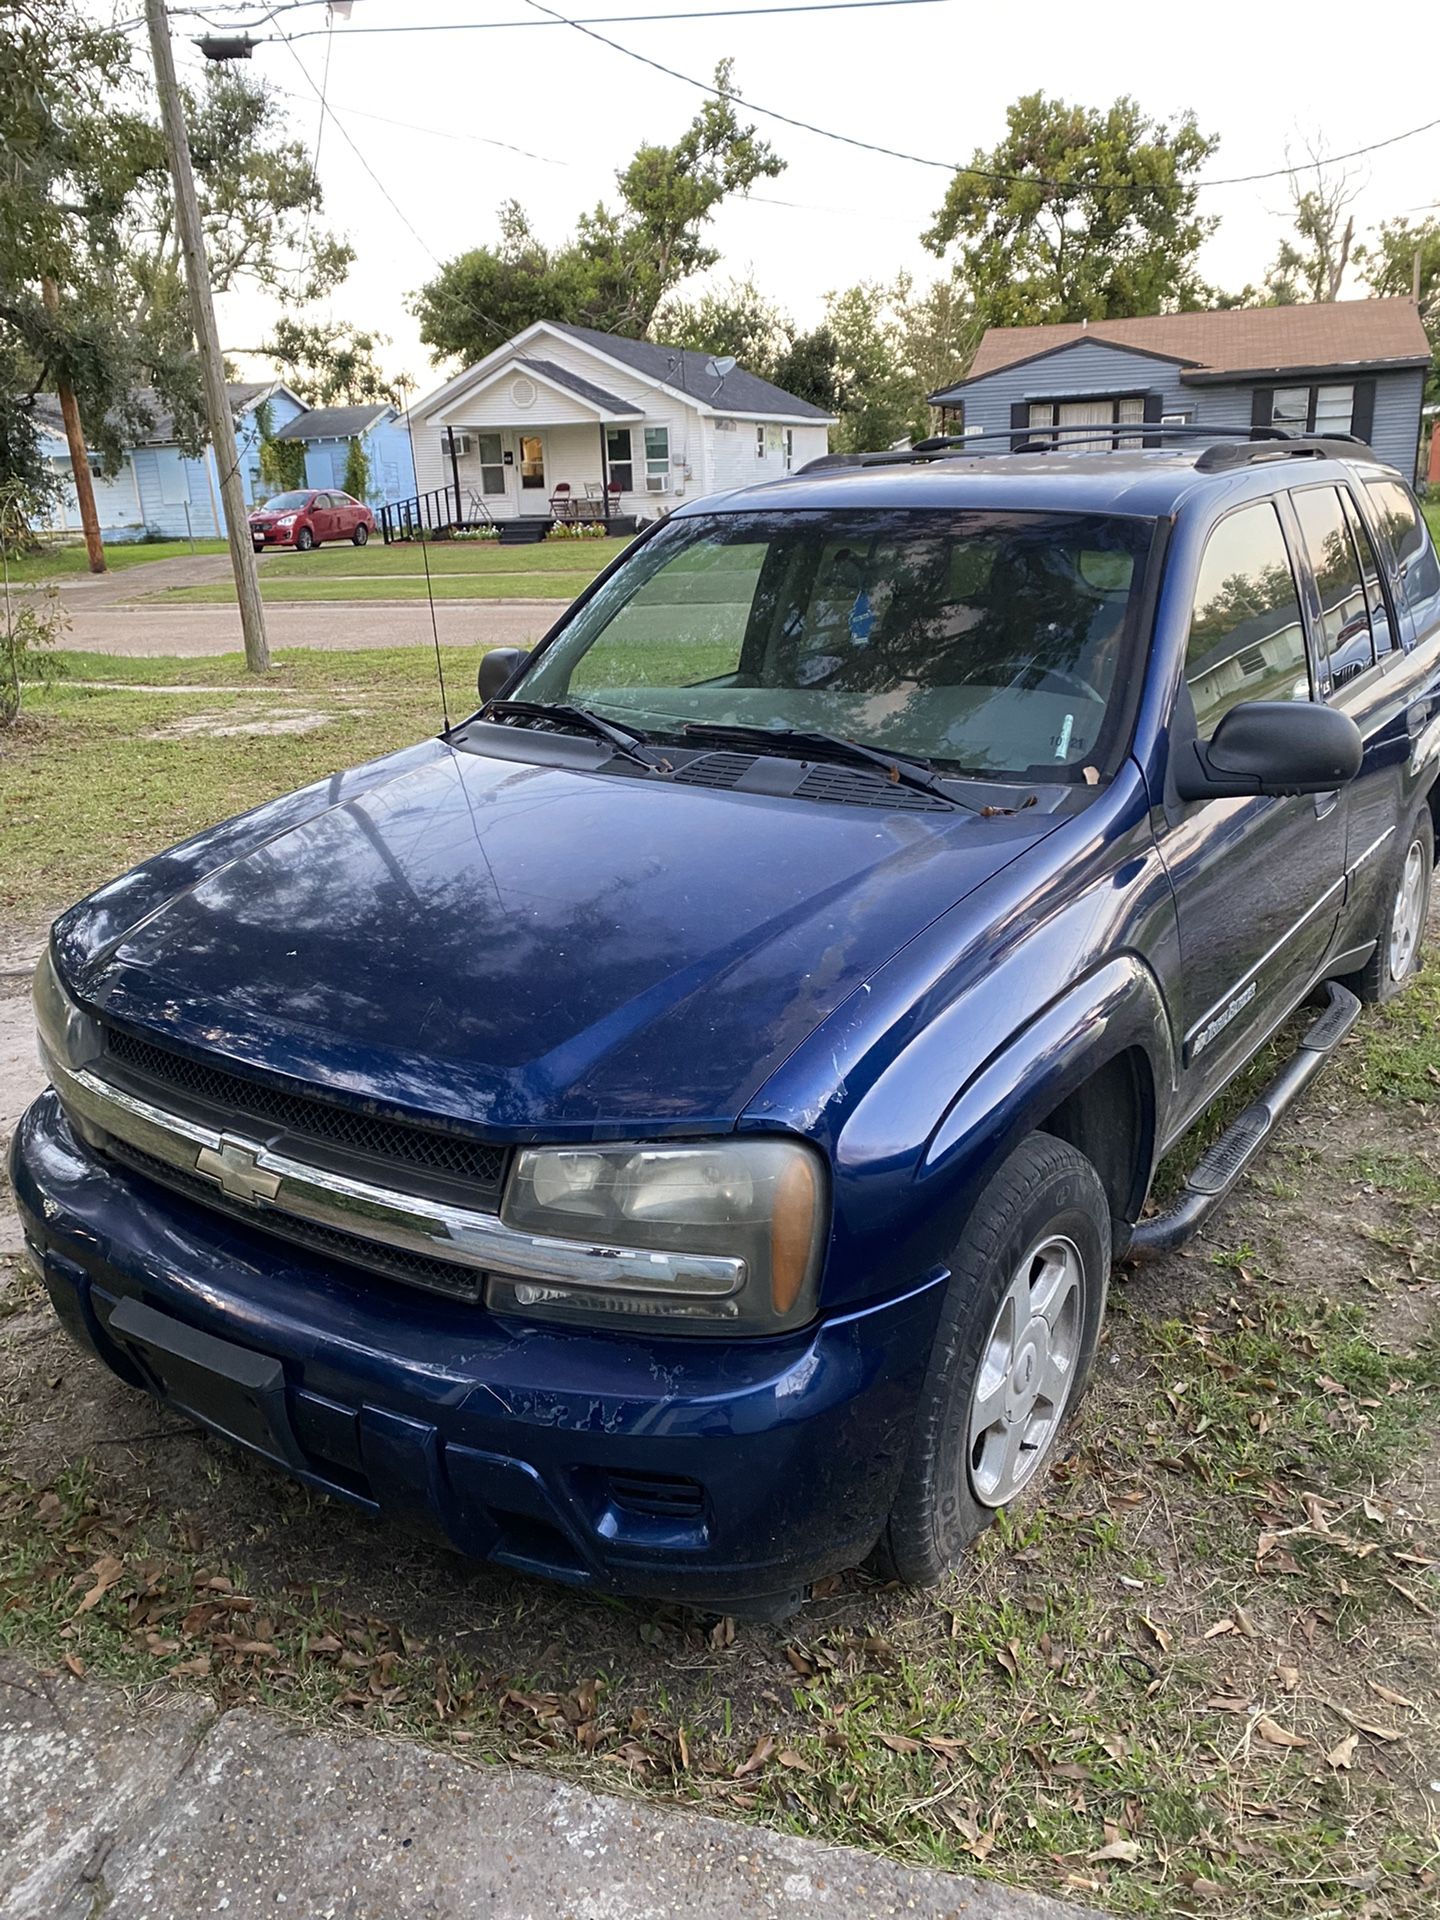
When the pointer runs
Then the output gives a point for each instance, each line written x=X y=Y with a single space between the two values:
x=1258 y=882
x=533 y=498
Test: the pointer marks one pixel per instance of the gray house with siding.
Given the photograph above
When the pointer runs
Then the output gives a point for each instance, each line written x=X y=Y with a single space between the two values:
x=1350 y=366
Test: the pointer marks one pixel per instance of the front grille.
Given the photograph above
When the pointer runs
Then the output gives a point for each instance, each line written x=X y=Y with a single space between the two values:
x=659 y=1496
x=396 y=1263
x=397 y=1143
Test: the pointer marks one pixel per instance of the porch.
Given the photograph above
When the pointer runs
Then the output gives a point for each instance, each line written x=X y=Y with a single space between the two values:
x=523 y=481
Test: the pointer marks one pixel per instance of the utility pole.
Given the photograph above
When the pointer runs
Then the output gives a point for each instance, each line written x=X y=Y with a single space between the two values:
x=79 y=454
x=202 y=307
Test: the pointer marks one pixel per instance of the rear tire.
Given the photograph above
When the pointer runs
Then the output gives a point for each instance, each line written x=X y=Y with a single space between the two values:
x=360 y=536
x=1401 y=934
x=1012 y=1354
x=304 y=540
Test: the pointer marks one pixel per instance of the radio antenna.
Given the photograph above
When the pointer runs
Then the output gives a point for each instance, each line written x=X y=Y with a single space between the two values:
x=425 y=560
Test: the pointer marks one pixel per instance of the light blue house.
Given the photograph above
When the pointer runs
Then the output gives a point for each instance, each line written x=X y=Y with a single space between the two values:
x=1348 y=366
x=161 y=491
x=326 y=433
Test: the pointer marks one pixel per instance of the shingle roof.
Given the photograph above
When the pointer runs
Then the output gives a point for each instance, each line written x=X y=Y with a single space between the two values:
x=682 y=368
x=1239 y=340
x=161 y=432
x=332 y=423
x=586 y=389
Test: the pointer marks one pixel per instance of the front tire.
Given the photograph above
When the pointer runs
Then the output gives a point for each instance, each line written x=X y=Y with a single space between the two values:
x=304 y=540
x=1396 y=959
x=1012 y=1354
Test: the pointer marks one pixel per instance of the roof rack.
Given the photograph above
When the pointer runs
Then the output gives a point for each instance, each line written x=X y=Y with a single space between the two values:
x=1225 y=446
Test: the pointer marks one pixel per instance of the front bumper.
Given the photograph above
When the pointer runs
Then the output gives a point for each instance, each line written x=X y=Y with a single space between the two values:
x=694 y=1469
x=273 y=536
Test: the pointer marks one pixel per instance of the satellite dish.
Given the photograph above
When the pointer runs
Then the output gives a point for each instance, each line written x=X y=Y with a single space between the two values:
x=721 y=364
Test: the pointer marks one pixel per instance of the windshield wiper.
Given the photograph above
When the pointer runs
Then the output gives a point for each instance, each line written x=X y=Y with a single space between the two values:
x=896 y=767
x=624 y=740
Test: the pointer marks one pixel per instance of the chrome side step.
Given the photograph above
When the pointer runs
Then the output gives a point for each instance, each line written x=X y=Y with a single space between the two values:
x=1222 y=1165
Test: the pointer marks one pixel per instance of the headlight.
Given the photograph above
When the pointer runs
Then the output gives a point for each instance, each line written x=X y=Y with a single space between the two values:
x=759 y=1204
x=287 y=519
x=67 y=1034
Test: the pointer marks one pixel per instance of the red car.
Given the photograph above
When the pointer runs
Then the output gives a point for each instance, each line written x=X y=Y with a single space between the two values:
x=307 y=517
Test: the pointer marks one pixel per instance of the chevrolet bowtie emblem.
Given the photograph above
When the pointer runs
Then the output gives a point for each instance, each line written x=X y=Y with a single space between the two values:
x=235 y=1170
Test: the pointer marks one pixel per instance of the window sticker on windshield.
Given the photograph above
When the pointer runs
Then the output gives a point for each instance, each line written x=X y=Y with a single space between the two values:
x=862 y=619
x=1062 y=745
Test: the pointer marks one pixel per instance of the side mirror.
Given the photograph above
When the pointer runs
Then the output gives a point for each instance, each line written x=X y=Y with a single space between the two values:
x=498 y=668
x=1272 y=747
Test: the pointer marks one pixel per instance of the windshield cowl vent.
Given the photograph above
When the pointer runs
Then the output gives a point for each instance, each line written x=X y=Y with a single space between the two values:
x=847 y=786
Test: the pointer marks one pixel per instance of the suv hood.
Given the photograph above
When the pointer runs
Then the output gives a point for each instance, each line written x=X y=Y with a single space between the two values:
x=526 y=948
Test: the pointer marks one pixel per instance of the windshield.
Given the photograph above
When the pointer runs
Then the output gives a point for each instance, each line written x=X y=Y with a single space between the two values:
x=990 y=643
x=285 y=503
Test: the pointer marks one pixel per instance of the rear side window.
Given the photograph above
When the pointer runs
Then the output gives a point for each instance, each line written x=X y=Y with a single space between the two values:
x=1409 y=541
x=1371 y=573
x=1344 y=612
x=1247 y=639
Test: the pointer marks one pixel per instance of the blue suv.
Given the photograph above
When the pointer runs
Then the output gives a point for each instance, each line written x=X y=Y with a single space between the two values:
x=673 y=1131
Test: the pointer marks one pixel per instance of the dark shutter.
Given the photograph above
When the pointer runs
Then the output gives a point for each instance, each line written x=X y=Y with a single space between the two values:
x=1262 y=407
x=1154 y=407
x=1019 y=417
x=1362 y=420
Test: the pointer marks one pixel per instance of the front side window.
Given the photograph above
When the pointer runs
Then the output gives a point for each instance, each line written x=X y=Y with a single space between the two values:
x=618 y=458
x=657 y=459
x=1344 y=615
x=991 y=643
x=1247 y=639
x=1370 y=573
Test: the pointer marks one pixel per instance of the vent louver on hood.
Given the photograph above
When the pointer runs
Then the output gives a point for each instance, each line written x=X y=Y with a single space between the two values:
x=822 y=780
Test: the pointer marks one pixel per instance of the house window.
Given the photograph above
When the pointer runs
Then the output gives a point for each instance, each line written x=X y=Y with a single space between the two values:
x=1314 y=409
x=789 y=448
x=1106 y=410
x=492 y=462
x=657 y=459
x=759 y=443
x=619 y=459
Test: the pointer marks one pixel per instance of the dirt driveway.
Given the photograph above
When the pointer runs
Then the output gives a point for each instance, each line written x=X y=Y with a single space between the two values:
x=1199 y=1672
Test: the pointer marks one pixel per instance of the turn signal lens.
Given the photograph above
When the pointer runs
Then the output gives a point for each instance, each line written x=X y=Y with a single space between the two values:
x=792 y=1232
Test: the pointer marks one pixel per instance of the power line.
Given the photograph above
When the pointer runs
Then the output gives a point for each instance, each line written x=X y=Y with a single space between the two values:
x=618 y=19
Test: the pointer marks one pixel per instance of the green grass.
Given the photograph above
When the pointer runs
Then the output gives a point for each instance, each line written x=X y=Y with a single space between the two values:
x=67 y=560
x=447 y=556
x=279 y=588
x=92 y=781
x=1431 y=510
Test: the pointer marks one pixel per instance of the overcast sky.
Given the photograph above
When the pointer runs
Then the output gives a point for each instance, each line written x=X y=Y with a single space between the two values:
x=933 y=80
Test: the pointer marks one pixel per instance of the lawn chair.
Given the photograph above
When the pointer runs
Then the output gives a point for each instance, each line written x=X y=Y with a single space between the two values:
x=562 y=503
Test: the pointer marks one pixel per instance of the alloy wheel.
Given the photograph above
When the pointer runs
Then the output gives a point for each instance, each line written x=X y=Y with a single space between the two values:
x=1027 y=1370
x=1409 y=907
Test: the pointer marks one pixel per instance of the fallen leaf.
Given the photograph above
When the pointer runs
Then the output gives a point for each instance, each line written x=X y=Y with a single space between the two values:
x=1390 y=1696
x=682 y=1749
x=1414 y=1598
x=104 y=1574
x=899 y=1743
x=1372 y=1727
x=1162 y=1636
x=1123 y=1850
x=1343 y=1753
x=1008 y=1657
x=787 y=1757
x=1228 y=1702
x=1275 y=1735
x=1220 y=1626
x=1289 y=1676
x=759 y=1754
x=76 y=1665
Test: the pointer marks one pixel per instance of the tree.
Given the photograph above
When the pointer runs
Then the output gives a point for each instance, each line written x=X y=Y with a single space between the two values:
x=734 y=319
x=329 y=363
x=809 y=368
x=621 y=263
x=357 y=471
x=881 y=398
x=1311 y=266
x=282 y=462
x=1078 y=213
x=1389 y=266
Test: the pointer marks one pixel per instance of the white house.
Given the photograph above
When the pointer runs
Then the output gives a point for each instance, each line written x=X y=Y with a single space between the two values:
x=565 y=421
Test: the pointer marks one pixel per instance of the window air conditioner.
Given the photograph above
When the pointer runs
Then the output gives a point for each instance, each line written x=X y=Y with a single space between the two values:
x=462 y=444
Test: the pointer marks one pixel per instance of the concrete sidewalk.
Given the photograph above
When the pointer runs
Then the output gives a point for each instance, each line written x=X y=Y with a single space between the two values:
x=166 y=1810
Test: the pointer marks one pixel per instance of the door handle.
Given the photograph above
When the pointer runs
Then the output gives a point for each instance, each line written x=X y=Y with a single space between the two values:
x=1326 y=803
